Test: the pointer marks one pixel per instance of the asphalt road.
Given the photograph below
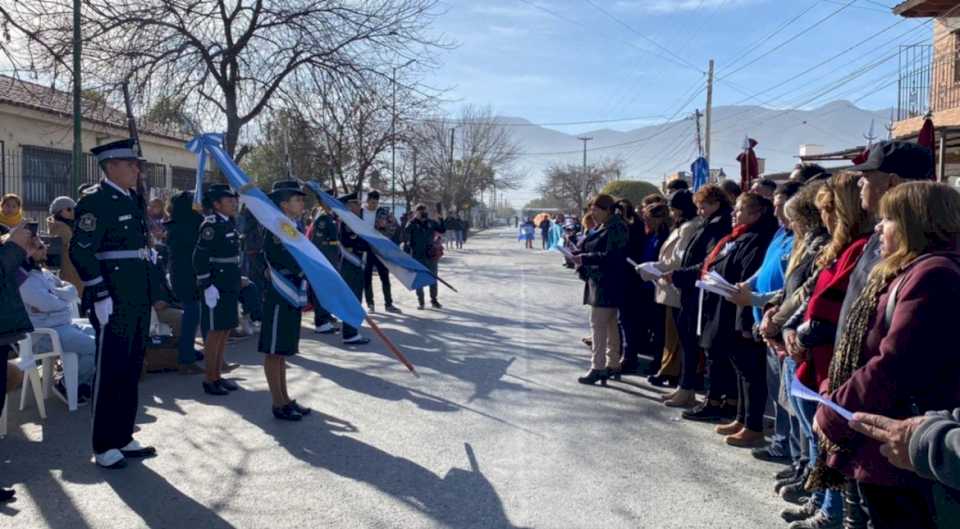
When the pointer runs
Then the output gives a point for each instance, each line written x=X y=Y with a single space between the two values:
x=496 y=433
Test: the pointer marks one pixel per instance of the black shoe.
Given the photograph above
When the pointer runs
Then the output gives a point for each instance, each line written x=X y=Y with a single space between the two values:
x=302 y=410
x=371 y=308
x=795 y=493
x=287 y=413
x=630 y=369
x=198 y=355
x=593 y=376
x=436 y=304
x=615 y=374
x=7 y=495
x=213 y=388
x=705 y=412
x=651 y=369
x=420 y=307
x=391 y=308
x=787 y=473
x=658 y=380
x=228 y=385
x=763 y=454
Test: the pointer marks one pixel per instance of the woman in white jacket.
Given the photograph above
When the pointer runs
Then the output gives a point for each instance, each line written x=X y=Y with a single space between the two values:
x=684 y=214
x=49 y=302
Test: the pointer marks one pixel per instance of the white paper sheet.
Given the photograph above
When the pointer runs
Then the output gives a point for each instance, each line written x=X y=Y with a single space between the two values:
x=797 y=389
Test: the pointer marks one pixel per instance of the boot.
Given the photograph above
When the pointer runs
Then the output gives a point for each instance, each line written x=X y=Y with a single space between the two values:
x=683 y=398
x=593 y=376
x=729 y=429
x=854 y=515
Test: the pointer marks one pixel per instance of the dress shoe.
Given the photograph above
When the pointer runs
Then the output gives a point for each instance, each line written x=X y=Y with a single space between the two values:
x=746 y=438
x=763 y=454
x=795 y=513
x=662 y=381
x=287 y=413
x=705 y=412
x=729 y=428
x=111 y=459
x=593 y=376
x=212 y=388
x=392 y=309
x=682 y=398
x=136 y=450
x=189 y=369
x=302 y=410
x=227 y=384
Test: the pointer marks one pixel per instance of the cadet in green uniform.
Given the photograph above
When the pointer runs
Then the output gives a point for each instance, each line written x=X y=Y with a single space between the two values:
x=353 y=251
x=109 y=250
x=216 y=260
x=282 y=312
x=325 y=238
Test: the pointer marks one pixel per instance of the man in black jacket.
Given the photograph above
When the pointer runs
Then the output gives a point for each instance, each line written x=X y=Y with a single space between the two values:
x=353 y=250
x=421 y=234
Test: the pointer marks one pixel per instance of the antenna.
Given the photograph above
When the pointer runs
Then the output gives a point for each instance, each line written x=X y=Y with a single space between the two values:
x=869 y=136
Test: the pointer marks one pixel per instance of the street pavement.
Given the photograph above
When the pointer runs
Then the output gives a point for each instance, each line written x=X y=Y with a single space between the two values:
x=495 y=433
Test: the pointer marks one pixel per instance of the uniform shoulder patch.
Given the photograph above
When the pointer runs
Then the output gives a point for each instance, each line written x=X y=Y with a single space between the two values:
x=87 y=222
x=91 y=190
x=210 y=218
x=207 y=233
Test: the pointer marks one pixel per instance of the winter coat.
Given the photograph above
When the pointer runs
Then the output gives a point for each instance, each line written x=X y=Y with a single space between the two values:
x=183 y=229
x=48 y=299
x=795 y=290
x=603 y=252
x=14 y=321
x=420 y=235
x=906 y=368
x=670 y=257
x=707 y=235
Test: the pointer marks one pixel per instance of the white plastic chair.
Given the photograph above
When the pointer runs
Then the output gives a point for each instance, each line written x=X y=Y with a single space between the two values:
x=28 y=360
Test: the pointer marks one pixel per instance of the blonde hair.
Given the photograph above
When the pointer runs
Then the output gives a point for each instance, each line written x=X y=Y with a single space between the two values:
x=926 y=218
x=802 y=210
x=841 y=197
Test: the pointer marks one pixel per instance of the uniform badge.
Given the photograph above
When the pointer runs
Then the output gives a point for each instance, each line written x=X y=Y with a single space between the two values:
x=87 y=222
x=207 y=233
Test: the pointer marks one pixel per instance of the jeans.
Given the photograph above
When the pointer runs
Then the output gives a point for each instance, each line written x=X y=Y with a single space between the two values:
x=80 y=339
x=830 y=500
x=779 y=441
x=188 y=333
x=799 y=449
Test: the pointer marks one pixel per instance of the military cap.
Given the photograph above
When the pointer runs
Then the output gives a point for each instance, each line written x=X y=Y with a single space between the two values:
x=117 y=150
x=284 y=189
x=348 y=198
x=217 y=191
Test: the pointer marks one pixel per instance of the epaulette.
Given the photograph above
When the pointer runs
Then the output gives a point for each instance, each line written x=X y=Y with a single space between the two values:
x=91 y=190
x=210 y=218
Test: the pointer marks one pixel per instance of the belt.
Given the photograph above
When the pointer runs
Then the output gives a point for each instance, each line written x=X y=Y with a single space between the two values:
x=141 y=254
x=225 y=260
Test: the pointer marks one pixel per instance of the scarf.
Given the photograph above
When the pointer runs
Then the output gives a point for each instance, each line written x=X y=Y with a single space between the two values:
x=738 y=231
x=11 y=221
x=846 y=360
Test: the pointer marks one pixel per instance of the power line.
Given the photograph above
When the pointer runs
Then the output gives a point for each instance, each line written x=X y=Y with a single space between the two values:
x=548 y=124
x=753 y=46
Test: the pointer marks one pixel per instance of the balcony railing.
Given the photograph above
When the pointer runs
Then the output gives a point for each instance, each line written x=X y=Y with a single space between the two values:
x=928 y=82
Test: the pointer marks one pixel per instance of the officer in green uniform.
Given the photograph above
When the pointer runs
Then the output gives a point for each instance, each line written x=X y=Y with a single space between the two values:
x=325 y=237
x=109 y=250
x=216 y=261
x=286 y=297
x=353 y=251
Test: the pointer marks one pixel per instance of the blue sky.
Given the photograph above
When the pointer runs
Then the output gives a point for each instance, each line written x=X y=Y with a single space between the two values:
x=566 y=60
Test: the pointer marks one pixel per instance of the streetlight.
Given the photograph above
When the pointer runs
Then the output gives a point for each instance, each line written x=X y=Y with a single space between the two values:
x=393 y=137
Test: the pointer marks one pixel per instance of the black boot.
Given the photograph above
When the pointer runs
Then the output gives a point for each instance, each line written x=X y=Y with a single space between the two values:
x=593 y=376
x=854 y=515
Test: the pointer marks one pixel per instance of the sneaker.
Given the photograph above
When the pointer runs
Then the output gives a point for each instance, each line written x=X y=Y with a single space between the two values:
x=787 y=473
x=357 y=339
x=764 y=454
x=326 y=328
x=135 y=449
x=818 y=521
x=705 y=412
x=111 y=459
x=785 y=482
x=795 y=513
x=795 y=493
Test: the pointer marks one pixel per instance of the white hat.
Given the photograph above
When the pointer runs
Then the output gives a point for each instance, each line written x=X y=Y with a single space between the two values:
x=61 y=203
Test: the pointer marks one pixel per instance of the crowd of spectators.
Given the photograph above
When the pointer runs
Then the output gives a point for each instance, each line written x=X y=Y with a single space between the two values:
x=835 y=287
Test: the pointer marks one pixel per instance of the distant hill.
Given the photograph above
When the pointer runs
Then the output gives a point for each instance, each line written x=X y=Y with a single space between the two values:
x=651 y=151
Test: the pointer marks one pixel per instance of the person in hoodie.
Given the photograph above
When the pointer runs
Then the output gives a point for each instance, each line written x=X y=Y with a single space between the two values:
x=183 y=229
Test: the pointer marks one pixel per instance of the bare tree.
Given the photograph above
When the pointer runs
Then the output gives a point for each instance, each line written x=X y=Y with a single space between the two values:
x=571 y=185
x=229 y=58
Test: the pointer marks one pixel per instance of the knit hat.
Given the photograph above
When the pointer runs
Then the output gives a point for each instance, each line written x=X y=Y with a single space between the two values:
x=61 y=203
x=683 y=200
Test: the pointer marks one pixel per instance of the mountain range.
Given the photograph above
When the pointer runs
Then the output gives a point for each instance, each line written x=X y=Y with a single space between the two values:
x=651 y=152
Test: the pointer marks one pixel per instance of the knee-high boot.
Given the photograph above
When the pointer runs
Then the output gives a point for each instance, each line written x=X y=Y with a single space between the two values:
x=854 y=514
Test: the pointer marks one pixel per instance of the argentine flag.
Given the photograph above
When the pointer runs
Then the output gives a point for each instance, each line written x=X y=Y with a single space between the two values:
x=407 y=270
x=332 y=293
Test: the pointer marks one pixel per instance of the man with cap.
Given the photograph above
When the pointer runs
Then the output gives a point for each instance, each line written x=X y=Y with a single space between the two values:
x=377 y=218
x=286 y=297
x=324 y=235
x=353 y=250
x=216 y=261
x=109 y=250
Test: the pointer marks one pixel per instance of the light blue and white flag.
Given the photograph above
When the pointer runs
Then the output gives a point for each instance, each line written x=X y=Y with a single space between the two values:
x=332 y=293
x=407 y=270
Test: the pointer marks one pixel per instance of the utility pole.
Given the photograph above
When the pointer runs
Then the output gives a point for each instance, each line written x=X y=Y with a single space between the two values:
x=393 y=144
x=699 y=138
x=416 y=192
x=584 y=139
x=706 y=149
x=77 y=117
x=453 y=130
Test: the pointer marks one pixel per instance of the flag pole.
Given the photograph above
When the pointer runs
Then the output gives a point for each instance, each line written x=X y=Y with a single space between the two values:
x=390 y=345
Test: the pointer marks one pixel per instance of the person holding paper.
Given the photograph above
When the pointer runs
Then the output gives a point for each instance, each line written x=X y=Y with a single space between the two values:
x=896 y=359
x=714 y=208
x=634 y=313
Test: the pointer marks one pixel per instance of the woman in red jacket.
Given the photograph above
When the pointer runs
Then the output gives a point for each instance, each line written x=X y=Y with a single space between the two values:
x=899 y=360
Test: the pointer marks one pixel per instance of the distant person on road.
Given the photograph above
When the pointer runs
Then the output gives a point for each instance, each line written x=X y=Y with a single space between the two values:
x=544 y=232
x=422 y=233
x=526 y=233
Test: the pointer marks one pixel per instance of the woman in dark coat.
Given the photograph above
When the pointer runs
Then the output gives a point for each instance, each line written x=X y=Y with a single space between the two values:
x=600 y=263
x=897 y=360
x=728 y=329
x=182 y=232
x=633 y=311
x=714 y=208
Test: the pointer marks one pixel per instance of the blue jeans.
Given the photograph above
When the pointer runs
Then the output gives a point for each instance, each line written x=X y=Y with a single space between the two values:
x=779 y=441
x=830 y=501
x=80 y=339
x=799 y=449
x=188 y=333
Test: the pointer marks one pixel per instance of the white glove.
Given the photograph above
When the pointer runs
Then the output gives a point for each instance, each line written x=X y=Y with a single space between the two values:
x=103 y=310
x=211 y=296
